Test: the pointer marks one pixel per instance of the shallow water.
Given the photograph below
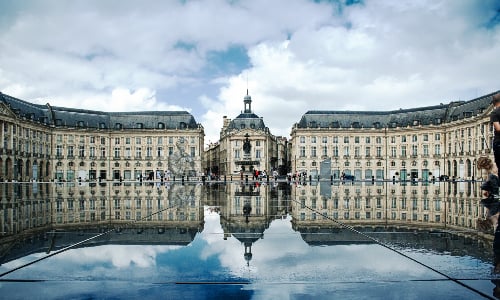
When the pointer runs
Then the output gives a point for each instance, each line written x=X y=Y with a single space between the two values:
x=253 y=240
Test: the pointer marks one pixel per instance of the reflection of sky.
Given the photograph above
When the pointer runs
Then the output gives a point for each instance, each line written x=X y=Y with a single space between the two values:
x=281 y=259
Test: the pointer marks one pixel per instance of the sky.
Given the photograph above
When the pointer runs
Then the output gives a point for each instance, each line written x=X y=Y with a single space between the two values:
x=291 y=55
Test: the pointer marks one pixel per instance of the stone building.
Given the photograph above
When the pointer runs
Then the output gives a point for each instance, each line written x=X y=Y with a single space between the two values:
x=421 y=143
x=245 y=145
x=44 y=142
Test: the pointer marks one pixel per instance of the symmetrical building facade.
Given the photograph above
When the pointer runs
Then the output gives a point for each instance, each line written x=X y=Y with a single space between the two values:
x=44 y=143
x=421 y=143
x=246 y=145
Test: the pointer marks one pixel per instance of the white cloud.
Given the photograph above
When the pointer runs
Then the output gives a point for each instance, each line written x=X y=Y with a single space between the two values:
x=303 y=55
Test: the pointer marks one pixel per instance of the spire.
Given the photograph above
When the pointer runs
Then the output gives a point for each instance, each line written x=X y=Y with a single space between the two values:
x=248 y=103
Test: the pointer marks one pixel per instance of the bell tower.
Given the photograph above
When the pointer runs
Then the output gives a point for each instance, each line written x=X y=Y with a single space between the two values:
x=248 y=104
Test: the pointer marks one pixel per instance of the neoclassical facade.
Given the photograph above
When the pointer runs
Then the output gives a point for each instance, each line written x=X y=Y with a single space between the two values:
x=420 y=143
x=44 y=143
x=246 y=145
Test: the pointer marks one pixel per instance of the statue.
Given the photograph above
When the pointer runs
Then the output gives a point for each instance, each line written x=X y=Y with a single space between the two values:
x=246 y=145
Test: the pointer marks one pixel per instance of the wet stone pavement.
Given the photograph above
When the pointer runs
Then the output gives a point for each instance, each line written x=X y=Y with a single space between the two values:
x=255 y=240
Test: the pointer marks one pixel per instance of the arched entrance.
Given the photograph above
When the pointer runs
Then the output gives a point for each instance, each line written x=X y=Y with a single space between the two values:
x=34 y=171
x=18 y=169
x=47 y=170
x=8 y=169
x=28 y=171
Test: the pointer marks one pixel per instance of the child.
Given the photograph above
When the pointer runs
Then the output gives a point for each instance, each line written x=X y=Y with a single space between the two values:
x=491 y=200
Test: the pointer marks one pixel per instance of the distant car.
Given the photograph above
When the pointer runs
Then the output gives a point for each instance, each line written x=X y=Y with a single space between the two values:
x=349 y=177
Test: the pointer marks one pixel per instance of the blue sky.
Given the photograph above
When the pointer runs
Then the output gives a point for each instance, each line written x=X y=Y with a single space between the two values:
x=201 y=56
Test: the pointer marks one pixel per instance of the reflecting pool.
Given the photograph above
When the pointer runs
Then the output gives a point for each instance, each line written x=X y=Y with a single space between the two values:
x=250 y=240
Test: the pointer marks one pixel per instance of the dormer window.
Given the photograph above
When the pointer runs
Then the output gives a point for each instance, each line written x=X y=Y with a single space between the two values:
x=139 y=125
x=437 y=121
x=335 y=124
x=161 y=125
x=182 y=125
x=416 y=122
x=80 y=124
x=118 y=126
x=102 y=125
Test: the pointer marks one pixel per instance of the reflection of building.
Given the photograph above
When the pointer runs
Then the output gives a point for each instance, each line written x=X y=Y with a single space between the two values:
x=247 y=212
x=44 y=142
x=173 y=214
x=408 y=237
x=411 y=143
x=135 y=207
x=437 y=205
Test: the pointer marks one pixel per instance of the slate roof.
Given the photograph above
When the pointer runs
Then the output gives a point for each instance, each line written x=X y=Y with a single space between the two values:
x=247 y=120
x=430 y=115
x=72 y=117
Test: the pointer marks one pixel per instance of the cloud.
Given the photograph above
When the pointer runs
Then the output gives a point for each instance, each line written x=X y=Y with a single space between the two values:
x=299 y=54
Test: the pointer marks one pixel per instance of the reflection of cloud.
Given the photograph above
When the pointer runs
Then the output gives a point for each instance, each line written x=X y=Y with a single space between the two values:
x=283 y=255
x=119 y=256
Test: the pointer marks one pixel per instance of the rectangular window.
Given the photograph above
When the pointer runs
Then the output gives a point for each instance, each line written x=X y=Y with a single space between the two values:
x=70 y=151
x=193 y=151
x=81 y=151
x=117 y=152
x=346 y=150
x=257 y=153
x=302 y=152
x=313 y=151
x=437 y=149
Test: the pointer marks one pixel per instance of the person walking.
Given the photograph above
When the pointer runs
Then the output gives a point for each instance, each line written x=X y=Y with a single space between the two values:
x=495 y=120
